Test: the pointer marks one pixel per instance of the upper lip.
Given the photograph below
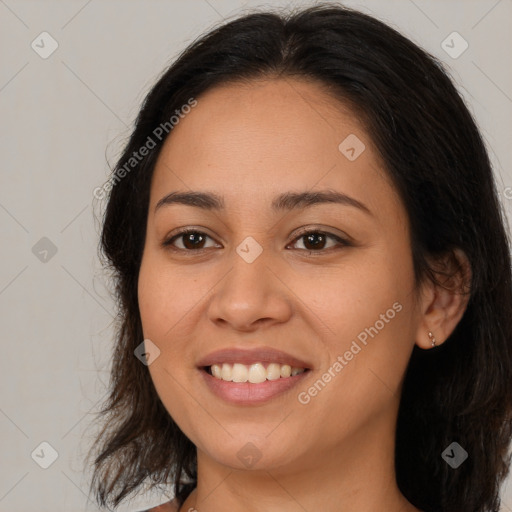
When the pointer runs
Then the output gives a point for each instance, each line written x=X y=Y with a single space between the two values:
x=251 y=356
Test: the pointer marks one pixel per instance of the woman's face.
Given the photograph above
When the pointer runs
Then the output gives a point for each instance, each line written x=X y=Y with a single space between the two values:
x=253 y=295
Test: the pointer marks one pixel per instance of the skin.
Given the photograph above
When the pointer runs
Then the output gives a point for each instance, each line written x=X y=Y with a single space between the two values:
x=249 y=143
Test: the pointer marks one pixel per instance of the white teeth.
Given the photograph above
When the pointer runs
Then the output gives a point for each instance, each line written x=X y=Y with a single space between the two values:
x=273 y=371
x=254 y=373
x=286 y=370
x=240 y=373
x=217 y=371
x=226 y=372
x=257 y=373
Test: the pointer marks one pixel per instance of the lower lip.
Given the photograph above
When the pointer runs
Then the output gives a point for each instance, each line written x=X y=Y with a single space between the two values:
x=246 y=393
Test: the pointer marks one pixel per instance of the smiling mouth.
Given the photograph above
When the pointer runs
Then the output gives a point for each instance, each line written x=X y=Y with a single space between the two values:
x=255 y=373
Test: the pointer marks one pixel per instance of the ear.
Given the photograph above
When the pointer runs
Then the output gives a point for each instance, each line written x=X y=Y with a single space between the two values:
x=443 y=304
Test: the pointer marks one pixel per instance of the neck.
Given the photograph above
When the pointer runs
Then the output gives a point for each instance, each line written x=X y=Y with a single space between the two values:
x=356 y=477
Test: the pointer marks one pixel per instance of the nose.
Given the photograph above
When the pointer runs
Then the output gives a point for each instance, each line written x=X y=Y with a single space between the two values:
x=251 y=295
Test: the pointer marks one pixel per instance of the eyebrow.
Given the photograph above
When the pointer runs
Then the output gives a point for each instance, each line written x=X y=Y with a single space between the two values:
x=284 y=202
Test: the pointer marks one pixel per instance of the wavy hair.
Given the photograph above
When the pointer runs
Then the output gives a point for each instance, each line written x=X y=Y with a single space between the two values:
x=435 y=156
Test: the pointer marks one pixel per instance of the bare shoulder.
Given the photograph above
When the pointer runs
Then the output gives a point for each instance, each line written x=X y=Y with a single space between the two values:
x=170 y=506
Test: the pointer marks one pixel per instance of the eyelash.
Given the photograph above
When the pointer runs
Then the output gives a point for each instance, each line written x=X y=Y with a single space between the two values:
x=168 y=243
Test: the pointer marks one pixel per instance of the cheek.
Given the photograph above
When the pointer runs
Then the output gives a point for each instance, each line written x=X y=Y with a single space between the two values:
x=163 y=305
x=351 y=296
x=166 y=296
x=364 y=315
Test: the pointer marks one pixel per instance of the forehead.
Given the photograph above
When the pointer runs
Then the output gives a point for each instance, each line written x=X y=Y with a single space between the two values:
x=266 y=136
x=264 y=119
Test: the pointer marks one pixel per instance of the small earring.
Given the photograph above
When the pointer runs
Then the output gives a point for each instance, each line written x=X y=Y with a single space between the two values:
x=432 y=338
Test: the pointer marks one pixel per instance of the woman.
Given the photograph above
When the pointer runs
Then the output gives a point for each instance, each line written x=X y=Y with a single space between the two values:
x=313 y=279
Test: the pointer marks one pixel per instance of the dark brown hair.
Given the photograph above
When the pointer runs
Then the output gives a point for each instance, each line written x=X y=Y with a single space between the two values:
x=460 y=391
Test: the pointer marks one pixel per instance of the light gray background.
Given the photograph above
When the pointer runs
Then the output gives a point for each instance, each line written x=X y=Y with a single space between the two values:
x=61 y=119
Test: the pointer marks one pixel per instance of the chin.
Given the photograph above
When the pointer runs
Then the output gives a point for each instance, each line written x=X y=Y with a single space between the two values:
x=251 y=452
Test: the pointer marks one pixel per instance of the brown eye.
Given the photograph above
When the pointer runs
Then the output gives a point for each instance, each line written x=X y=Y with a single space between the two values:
x=314 y=241
x=193 y=240
x=318 y=241
x=188 y=240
